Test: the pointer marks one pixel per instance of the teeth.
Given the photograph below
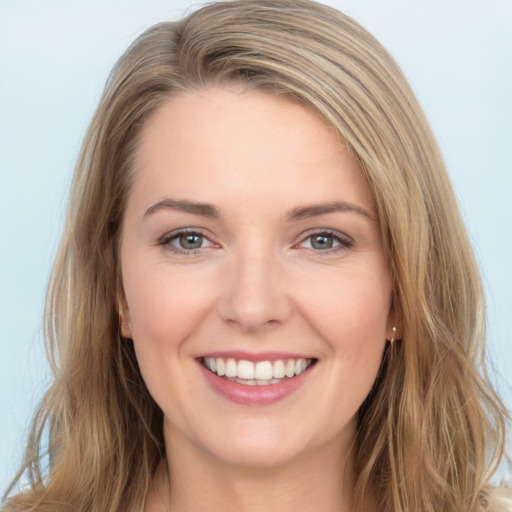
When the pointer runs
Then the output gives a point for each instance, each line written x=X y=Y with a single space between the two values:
x=245 y=370
x=278 y=371
x=247 y=382
x=290 y=368
x=256 y=382
x=263 y=370
x=231 y=368
x=221 y=370
x=260 y=373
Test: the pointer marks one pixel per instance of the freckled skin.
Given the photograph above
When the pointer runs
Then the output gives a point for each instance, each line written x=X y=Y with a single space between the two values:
x=258 y=281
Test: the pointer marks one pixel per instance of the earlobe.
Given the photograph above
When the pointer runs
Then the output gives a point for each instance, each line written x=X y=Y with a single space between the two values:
x=394 y=331
x=394 y=327
x=124 y=328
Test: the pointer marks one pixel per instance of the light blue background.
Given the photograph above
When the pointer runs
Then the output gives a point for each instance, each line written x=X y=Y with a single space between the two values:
x=54 y=59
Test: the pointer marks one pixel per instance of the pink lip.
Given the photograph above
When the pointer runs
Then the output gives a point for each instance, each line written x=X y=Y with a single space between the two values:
x=254 y=395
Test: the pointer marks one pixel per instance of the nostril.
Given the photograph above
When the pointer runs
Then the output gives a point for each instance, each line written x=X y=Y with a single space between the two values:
x=254 y=297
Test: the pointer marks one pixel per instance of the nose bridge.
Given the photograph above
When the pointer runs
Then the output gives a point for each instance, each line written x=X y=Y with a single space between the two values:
x=255 y=293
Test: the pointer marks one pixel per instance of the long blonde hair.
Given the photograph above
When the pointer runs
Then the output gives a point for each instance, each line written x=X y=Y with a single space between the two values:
x=431 y=430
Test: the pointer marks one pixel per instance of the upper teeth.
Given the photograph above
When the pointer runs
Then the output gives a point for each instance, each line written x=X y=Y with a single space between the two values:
x=262 y=370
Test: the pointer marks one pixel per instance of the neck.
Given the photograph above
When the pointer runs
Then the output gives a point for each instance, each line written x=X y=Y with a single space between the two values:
x=192 y=479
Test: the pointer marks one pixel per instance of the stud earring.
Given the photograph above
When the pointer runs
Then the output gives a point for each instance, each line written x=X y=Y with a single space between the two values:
x=125 y=331
x=392 y=340
x=123 y=326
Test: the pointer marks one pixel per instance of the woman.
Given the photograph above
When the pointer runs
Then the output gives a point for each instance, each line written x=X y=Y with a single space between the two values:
x=265 y=291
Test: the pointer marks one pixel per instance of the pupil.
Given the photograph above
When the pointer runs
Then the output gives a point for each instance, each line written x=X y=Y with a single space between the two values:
x=321 y=242
x=191 y=241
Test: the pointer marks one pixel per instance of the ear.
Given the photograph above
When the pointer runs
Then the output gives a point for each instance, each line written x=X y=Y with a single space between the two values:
x=124 y=315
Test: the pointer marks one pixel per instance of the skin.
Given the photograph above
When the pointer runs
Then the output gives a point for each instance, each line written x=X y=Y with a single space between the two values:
x=257 y=283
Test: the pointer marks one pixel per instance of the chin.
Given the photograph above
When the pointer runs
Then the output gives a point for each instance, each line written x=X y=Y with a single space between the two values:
x=261 y=444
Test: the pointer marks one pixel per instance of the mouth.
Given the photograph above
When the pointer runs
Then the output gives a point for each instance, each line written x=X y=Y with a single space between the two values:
x=257 y=373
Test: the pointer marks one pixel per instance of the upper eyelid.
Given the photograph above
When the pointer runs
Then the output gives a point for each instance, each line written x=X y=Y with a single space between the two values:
x=167 y=242
x=179 y=231
x=344 y=243
x=326 y=231
x=174 y=234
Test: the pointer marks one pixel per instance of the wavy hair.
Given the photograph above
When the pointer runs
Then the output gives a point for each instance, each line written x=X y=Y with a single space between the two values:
x=431 y=431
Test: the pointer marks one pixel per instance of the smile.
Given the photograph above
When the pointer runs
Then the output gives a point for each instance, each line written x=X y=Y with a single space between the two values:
x=261 y=373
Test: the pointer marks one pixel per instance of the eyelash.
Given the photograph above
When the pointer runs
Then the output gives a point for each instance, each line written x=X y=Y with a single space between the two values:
x=344 y=241
x=167 y=239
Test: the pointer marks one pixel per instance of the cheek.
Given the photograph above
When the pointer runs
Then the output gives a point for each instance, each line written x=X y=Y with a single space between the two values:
x=164 y=305
x=351 y=317
x=164 y=309
x=352 y=310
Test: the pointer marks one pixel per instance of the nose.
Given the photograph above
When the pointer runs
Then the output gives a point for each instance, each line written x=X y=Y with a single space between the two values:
x=255 y=295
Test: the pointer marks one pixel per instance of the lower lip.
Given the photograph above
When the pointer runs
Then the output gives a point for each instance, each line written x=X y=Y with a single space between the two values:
x=254 y=395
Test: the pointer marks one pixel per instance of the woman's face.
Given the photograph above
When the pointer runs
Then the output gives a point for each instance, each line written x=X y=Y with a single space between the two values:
x=257 y=293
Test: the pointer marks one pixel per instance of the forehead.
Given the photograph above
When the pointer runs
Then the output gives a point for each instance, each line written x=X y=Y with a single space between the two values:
x=247 y=143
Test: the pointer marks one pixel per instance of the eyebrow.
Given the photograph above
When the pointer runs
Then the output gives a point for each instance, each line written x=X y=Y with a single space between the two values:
x=298 y=213
x=315 y=210
x=203 y=209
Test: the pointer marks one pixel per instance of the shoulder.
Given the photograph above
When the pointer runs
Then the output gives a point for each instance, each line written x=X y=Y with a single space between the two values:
x=497 y=499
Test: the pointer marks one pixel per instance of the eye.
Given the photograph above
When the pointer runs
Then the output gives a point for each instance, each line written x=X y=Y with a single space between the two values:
x=185 y=241
x=322 y=241
x=326 y=241
x=188 y=241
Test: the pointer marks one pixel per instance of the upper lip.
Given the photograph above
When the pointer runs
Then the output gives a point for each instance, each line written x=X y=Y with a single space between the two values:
x=254 y=356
